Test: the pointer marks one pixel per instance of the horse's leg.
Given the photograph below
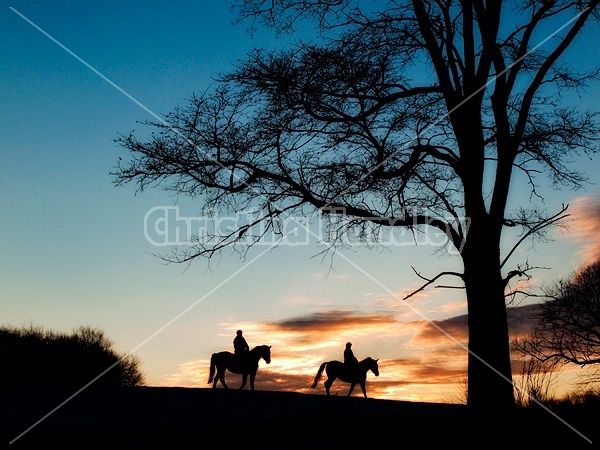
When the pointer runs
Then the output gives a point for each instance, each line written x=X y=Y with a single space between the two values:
x=362 y=386
x=328 y=384
x=244 y=378
x=351 y=389
x=222 y=378
x=252 y=376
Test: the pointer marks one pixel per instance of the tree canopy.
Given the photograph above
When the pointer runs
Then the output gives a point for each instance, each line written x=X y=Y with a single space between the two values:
x=38 y=358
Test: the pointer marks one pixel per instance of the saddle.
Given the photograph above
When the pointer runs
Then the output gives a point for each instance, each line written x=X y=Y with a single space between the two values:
x=351 y=369
x=241 y=359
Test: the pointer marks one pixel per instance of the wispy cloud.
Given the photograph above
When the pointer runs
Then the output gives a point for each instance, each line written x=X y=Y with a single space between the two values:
x=586 y=227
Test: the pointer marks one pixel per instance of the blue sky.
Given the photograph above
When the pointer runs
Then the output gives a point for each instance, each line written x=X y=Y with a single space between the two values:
x=73 y=245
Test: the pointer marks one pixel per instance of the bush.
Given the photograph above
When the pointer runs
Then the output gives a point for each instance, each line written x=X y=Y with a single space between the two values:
x=33 y=357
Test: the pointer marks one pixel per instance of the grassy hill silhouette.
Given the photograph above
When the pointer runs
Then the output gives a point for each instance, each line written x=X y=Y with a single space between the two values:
x=157 y=416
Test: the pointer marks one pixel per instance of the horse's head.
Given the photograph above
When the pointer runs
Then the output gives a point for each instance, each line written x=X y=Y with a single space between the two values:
x=373 y=366
x=265 y=353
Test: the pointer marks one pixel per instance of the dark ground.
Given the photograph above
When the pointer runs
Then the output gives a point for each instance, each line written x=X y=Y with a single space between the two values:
x=199 y=417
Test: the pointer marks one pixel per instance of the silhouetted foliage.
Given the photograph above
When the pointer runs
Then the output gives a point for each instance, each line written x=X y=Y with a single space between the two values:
x=567 y=327
x=536 y=382
x=413 y=114
x=588 y=398
x=36 y=358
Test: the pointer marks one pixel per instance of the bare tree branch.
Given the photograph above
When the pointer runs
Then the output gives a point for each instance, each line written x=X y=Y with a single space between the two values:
x=433 y=280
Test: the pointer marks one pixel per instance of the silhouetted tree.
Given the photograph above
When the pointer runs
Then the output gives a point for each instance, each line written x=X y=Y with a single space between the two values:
x=567 y=325
x=413 y=114
x=36 y=358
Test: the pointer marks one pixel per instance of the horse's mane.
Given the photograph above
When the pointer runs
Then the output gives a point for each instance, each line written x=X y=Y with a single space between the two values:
x=367 y=359
x=259 y=346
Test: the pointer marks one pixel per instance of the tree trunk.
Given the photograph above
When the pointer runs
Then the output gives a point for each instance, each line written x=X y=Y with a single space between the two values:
x=490 y=388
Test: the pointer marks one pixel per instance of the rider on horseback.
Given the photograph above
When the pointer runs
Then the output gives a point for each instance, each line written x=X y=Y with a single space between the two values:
x=240 y=346
x=349 y=359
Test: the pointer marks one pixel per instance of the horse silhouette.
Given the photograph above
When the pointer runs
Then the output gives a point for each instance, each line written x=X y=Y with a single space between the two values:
x=348 y=374
x=246 y=365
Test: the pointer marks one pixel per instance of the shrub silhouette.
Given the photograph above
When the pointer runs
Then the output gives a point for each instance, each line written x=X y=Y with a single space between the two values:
x=35 y=358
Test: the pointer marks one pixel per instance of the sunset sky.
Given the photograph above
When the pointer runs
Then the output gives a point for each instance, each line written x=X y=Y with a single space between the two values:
x=76 y=249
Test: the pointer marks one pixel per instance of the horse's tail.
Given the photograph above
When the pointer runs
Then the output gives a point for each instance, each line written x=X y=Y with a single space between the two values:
x=212 y=369
x=318 y=375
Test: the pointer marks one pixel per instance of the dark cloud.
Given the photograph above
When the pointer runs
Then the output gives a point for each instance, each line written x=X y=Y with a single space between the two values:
x=520 y=320
x=270 y=380
x=436 y=374
x=451 y=352
x=435 y=330
x=520 y=323
x=328 y=320
x=426 y=369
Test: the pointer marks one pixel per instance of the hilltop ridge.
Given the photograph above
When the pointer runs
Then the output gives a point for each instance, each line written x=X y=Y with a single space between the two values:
x=163 y=415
